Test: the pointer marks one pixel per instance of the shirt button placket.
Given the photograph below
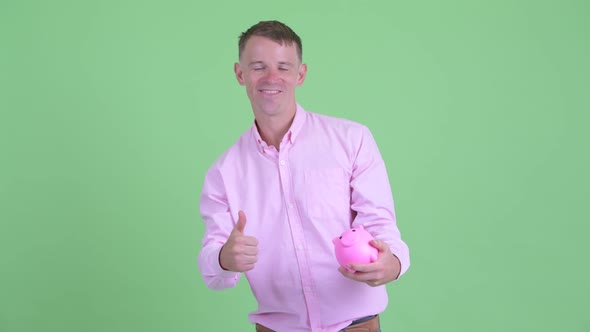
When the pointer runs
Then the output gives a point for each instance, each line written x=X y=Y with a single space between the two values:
x=297 y=237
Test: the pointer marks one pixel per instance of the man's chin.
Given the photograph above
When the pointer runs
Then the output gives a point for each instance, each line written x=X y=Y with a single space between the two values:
x=268 y=107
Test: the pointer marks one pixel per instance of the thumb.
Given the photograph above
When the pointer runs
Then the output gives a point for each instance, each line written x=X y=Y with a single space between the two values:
x=241 y=224
x=380 y=245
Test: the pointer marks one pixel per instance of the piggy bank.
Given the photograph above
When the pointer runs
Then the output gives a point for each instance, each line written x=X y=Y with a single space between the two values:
x=353 y=247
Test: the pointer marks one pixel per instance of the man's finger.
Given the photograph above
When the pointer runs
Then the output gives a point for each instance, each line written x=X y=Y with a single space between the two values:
x=248 y=267
x=380 y=245
x=247 y=241
x=363 y=267
x=359 y=276
x=250 y=251
x=368 y=278
x=345 y=273
x=249 y=259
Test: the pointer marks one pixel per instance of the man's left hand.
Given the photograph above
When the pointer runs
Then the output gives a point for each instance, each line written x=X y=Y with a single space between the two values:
x=384 y=270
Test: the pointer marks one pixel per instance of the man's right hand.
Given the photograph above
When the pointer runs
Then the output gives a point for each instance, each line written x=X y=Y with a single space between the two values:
x=240 y=252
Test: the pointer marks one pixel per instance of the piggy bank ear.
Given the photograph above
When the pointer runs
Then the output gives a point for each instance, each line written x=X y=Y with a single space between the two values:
x=335 y=240
x=361 y=227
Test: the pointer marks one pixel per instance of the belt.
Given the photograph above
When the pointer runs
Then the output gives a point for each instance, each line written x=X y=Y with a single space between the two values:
x=367 y=324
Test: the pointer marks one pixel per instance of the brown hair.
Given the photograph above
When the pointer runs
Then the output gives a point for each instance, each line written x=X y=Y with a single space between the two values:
x=273 y=30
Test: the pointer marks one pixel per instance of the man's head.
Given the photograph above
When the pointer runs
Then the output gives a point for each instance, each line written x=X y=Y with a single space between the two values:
x=270 y=68
x=274 y=30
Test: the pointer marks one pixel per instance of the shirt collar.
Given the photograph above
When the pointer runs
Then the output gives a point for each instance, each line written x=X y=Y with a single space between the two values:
x=291 y=134
x=298 y=121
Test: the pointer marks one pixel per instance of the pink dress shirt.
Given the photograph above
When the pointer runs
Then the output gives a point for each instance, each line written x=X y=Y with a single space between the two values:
x=327 y=177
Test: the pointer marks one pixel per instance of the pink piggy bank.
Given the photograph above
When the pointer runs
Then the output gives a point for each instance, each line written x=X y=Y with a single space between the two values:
x=353 y=247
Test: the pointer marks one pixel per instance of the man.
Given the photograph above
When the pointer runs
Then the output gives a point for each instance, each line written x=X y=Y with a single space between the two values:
x=274 y=201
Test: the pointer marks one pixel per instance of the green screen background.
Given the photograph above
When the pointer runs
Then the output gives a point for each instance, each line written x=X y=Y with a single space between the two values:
x=111 y=112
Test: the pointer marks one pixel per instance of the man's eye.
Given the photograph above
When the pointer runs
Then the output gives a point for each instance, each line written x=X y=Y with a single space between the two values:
x=258 y=68
x=283 y=69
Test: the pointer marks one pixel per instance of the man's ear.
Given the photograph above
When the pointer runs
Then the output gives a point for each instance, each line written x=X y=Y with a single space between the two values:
x=302 y=74
x=239 y=73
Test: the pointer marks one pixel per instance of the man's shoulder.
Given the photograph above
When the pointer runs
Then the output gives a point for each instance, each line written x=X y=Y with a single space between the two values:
x=333 y=120
x=233 y=153
x=335 y=123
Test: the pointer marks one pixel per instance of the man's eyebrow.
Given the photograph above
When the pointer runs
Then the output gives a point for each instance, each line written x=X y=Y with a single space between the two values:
x=255 y=63
x=281 y=63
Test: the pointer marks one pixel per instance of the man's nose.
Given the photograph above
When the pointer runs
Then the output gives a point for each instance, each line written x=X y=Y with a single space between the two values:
x=273 y=75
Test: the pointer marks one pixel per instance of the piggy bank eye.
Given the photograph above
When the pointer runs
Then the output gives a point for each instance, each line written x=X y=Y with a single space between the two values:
x=354 y=230
x=340 y=237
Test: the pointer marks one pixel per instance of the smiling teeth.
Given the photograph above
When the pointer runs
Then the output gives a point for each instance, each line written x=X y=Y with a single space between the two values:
x=272 y=92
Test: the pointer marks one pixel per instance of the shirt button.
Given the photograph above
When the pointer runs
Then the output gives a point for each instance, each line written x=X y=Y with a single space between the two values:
x=291 y=205
x=283 y=162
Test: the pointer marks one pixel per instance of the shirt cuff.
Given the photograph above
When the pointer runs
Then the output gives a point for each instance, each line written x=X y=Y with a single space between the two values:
x=404 y=264
x=214 y=276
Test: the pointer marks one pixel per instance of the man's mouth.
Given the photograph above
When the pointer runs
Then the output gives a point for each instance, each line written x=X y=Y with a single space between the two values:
x=269 y=92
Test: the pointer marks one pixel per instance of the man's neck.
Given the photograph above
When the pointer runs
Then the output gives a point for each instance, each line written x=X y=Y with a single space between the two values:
x=273 y=129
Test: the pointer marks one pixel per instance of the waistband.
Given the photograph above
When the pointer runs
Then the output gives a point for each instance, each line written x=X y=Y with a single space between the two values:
x=365 y=324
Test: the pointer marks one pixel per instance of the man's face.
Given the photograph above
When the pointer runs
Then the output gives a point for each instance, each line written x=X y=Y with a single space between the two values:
x=270 y=72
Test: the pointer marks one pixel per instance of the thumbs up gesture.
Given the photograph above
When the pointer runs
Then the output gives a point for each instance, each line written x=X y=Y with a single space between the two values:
x=240 y=252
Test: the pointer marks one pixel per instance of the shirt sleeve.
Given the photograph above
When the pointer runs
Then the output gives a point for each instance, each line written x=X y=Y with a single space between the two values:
x=218 y=226
x=372 y=200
